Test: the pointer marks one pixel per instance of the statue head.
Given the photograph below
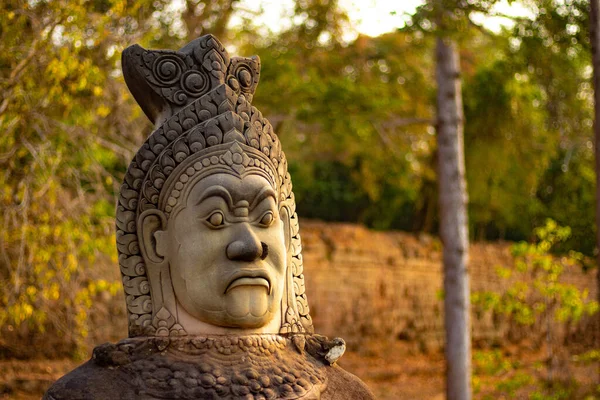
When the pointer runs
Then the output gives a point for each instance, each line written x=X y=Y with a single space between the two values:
x=206 y=227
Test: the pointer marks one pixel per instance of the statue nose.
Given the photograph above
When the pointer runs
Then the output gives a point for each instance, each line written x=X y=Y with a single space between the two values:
x=246 y=246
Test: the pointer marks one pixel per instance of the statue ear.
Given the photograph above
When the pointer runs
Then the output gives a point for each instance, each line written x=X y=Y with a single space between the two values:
x=151 y=229
x=284 y=214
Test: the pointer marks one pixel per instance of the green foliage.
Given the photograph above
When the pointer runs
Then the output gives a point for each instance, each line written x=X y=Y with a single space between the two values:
x=567 y=192
x=590 y=356
x=356 y=121
x=536 y=289
x=556 y=393
x=553 y=52
x=536 y=293
x=491 y=362
x=450 y=18
x=60 y=152
x=497 y=375
x=505 y=157
x=528 y=119
x=511 y=385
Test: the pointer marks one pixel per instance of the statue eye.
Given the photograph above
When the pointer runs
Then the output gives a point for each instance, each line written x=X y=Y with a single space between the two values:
x=215 y=219
x=267 y=219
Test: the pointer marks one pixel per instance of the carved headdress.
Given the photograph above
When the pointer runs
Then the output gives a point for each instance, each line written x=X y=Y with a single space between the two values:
x=200 y=100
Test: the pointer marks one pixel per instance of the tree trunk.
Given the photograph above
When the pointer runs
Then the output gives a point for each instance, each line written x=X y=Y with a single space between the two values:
x=453 y=221
x=595 y=42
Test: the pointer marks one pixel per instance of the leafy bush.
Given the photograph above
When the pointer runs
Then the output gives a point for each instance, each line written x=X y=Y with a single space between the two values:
x=537 y=295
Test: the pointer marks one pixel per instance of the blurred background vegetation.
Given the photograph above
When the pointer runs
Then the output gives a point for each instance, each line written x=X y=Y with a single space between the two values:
x=355 y=114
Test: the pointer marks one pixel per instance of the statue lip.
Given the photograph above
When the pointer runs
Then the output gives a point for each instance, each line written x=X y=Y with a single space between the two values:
x=249 y=278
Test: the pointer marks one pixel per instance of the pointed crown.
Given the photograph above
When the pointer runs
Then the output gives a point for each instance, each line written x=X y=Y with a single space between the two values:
x=165 y=81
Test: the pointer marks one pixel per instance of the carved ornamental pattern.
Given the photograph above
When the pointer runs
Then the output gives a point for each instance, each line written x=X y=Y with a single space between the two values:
x=229 y=367
x=201 y=103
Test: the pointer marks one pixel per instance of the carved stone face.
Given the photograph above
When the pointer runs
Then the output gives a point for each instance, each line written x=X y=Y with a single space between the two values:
x=226 y=250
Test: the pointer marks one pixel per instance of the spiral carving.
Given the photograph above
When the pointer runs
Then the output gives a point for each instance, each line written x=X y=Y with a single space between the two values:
x=167 y=69
x=195 y=83
x=134 y=177
x=136 y=286
x=299 y=285
x=206 y=107
x=244 y=77
x=150 y=192
x=157 y=177
x=145 y=157
x=127 y=244
x=264 y=145
x=144 y=286
x=252 y=136
x=302 y=307
x=145 y=320
x=180 y=97
x=189 y=119
x=167 y=162
x=126 y=222
x=213 y=134
x=128 y=203
x=172 y=129
x=140 y=305
x=157 y=143
x=296 y=266
x=129 y=265
x=196 y=140
x=140 y=268
x=181 y=150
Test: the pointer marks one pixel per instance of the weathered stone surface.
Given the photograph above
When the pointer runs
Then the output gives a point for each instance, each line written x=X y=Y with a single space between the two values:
x=208 y=139
x=209 y=245
x=387 y=286
x=217 y=367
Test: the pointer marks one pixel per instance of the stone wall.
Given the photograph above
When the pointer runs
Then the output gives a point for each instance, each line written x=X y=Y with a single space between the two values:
x=361 y=284
x=387 y=285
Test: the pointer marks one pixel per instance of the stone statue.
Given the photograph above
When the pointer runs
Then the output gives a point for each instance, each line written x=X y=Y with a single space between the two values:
x=209 y=249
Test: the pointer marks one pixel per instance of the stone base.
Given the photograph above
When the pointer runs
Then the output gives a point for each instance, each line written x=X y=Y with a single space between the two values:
x=213 y=367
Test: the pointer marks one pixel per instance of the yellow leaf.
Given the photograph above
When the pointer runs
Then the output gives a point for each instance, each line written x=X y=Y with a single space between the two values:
x=31 y=291
x=103 y=111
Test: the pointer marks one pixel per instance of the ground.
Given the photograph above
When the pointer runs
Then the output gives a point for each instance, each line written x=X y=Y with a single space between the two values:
x=394 y=371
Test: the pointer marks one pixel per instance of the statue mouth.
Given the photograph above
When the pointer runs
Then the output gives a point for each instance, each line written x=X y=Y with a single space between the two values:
x=249 y=278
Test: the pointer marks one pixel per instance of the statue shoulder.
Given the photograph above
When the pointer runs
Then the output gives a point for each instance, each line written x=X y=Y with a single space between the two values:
x=297 y=366
x=342 y=385
x=90 y=382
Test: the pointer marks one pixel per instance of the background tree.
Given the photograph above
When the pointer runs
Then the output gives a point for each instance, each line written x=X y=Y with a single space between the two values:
x=69 y=129
x=353 y=118
x=453 y=220
x=356 y=119
x=452 y=194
